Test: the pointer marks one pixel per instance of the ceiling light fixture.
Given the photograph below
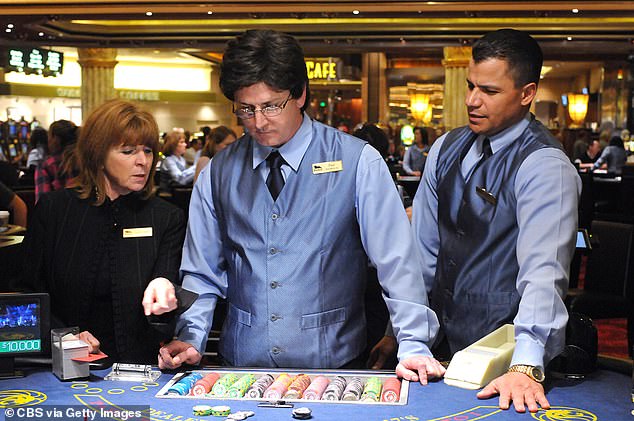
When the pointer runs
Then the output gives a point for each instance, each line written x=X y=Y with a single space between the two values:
x=10 y=25
x=148 y=13
x=575 y=10
x=209 y=12
x=355 y=12
x=569 y=38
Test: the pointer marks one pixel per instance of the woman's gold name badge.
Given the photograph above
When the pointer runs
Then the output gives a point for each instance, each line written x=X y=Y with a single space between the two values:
x=324 y=167
x=137 y=232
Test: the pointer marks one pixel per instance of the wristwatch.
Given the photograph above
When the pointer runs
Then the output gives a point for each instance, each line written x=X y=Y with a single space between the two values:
x=531 y=371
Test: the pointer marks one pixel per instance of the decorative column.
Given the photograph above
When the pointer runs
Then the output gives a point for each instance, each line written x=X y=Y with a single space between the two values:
x=374 y=88
x=456 y=62
x=97 y=77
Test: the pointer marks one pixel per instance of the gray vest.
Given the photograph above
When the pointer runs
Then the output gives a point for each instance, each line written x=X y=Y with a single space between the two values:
x=296 y=267
x=474 y=288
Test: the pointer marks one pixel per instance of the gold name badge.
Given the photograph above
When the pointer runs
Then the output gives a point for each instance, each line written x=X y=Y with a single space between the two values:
x=324 y=167
x=137 y=232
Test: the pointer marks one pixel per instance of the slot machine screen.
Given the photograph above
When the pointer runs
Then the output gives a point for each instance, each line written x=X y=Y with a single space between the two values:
x=24 y=328
x=12 y=150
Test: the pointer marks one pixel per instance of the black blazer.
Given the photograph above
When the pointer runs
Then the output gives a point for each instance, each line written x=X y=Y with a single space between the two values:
x=64 y=246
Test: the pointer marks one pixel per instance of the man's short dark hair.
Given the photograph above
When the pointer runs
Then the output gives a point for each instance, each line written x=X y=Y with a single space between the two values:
x=267 y=56
x=517 y=48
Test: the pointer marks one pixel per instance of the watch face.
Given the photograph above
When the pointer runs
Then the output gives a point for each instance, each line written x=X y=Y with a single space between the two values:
x=538 y=374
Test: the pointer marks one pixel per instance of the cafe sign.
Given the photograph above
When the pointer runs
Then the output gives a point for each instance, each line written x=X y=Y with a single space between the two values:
x=323 y=68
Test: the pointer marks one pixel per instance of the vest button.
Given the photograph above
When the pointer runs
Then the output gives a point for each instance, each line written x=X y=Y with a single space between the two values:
x=274 y=284
x=272 y=250
x=274 y=216
x=275 y=350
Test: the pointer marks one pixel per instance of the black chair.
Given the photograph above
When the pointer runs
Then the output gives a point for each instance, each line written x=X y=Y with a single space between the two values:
x=609 y=281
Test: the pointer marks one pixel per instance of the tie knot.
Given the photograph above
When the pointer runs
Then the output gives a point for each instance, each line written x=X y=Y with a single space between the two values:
x=275 y=160
x=486 y=148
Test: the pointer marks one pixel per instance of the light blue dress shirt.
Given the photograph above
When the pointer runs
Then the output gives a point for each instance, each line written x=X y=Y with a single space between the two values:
x=547 y=187
x=385 y=234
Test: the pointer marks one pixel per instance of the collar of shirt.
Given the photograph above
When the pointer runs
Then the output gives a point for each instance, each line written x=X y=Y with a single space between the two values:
x=292 y=151
x=498 y=142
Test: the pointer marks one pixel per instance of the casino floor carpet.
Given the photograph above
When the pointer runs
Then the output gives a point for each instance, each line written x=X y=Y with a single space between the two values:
x=612 y=337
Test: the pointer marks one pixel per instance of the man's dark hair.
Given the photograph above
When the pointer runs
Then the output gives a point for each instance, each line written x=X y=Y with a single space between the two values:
x=374 y=136
x=267 y=56
x=517 y=48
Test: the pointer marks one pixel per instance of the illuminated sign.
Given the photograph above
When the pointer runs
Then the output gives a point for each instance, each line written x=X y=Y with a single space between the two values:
x=323 y=68
x=33 y=61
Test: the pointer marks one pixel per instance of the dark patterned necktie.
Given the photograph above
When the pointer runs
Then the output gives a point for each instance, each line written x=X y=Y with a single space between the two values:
x=486 y=153
x=275 y=179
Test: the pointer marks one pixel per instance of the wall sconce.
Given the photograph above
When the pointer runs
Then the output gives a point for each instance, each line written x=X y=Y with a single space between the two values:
x=577 y=108
x=420 y=107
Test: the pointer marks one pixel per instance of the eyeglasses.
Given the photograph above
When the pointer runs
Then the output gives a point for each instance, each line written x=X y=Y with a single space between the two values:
x=247 y=113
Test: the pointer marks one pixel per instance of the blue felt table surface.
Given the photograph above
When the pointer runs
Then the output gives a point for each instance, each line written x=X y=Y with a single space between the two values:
x=604 y=395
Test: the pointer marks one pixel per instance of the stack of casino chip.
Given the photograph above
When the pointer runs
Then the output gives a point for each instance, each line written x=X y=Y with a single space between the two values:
x=239 y=388
x=353 y=390
x=316 y=388
x=279 y=387
x=184 y=385
x=335 y=389
x=391 y=390
x=222 y=385
x=220 y=411
x=204 y=385
x=201 y=410
x=372 y=390
x=258 y=388
x=296 y=389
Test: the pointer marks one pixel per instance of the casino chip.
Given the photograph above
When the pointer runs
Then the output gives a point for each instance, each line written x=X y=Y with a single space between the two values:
x=302 y=413
x=220 y=411
x=201 y=410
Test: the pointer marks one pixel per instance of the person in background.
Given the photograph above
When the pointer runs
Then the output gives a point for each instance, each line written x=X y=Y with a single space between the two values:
x=218 y=139
x=613 y=157
x=98 y=245
x=590 y=155
x=14 y=204
x=416 y=155
x=192 y=153
x=60 y=167
x=288 y=212
x=39 y=147
x=495 y=218
x=174 y=165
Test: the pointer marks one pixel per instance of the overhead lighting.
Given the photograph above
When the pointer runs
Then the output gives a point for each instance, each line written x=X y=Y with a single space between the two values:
x=209 y=12
x=569 y=38
x=10 y=25
x=575 y=10
x=7 y=30
x=355 y=12
x=41 y=34
x=148 y=13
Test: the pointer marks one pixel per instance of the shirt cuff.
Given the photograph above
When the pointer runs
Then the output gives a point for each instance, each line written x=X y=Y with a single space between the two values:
x=408 y=349
x=193 y=325
x=528 y=352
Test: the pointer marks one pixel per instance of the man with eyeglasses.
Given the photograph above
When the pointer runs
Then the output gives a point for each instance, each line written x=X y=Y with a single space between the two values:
x=282 y=223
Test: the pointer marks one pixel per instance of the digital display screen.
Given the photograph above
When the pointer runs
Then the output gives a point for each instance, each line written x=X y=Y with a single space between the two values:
x=24 y=131
x=33 y=61
x=20 y=327
x=12 y=151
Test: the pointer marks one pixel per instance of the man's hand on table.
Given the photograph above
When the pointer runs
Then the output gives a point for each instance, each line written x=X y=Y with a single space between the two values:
x=520 y=389
x=420 y=368
x=177 y=353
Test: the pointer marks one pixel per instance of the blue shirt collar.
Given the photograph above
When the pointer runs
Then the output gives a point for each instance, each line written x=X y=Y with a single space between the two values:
x=508 y=135
x=292 y=151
